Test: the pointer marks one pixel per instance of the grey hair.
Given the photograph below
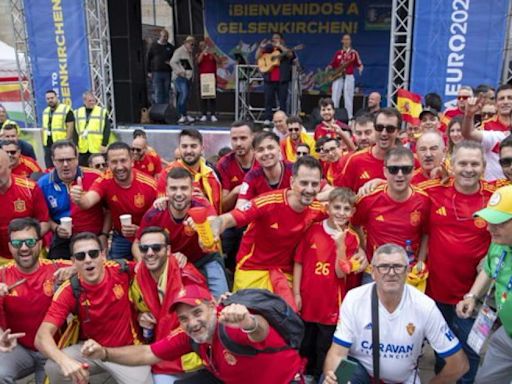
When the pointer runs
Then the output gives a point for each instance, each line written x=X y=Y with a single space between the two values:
x=388 y=249
x=466 y=88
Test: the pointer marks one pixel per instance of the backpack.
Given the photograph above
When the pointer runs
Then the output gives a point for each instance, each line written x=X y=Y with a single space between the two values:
x=275 y=310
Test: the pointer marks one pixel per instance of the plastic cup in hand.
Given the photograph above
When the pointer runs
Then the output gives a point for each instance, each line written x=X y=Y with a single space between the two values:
x=200 y=217
x=65 y=222
x=126 y=219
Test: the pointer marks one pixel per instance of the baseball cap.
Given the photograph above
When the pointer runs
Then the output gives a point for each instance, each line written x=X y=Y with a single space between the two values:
x=499 y=207
x=430 y=110
x=192 y=295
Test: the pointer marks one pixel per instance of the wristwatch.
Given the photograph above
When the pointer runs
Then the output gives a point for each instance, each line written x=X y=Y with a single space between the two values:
x=470 y=296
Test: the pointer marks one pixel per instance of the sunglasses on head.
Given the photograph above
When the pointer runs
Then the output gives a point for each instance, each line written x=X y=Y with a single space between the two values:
x=394 y=169
x=506 y=162
x=31 y=243
x=93 y=254
x=462 y=97
x=388 y=128
x=144 y=248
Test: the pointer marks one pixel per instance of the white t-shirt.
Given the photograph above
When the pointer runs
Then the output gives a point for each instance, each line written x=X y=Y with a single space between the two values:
x=490 y=142
x=401 y=332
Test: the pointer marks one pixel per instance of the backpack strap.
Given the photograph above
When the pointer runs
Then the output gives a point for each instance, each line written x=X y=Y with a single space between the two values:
x=375 y=335
x=77 y=290
x=242 y=349
x=123 y=266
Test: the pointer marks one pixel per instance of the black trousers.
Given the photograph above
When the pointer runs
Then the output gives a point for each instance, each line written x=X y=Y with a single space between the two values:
x=271 y=89
x=317 y=341
x=208 y=102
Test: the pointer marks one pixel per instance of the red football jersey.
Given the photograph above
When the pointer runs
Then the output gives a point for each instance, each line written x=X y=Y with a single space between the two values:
x=277 y=367
x=495 y=124
x=183 y=239
x=360 y=168
x=26 y=167
x=231 y=173
x=457 y=241
x=24 y=198
x=274 y=231
x=388 y=221
x=255 y=182
x=320 y=289
x=105 y=311
x=322 y=130
x=151 y=164
x=135 y=200
x=25 y=306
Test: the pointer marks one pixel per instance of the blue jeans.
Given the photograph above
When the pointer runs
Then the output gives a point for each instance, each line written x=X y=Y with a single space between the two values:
x=461 y=328
x=182 y=89
x=161 y=84
x=121 y=247
x=216 y=277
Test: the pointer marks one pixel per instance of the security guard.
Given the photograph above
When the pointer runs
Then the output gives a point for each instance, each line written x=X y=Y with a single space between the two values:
x=58 y=124
x=93 y=128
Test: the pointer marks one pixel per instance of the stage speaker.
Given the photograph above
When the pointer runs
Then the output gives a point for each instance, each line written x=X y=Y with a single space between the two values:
x=163 y=114
x=127 y=59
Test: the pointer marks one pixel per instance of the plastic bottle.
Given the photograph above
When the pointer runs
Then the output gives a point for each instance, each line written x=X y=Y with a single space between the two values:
x=410 y=252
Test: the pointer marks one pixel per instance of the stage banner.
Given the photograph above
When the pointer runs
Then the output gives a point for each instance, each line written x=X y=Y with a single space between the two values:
x=456 y=43
x=57 y=39
x=235 y=28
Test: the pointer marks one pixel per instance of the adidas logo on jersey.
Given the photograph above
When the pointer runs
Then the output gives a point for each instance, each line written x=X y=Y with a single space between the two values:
x=441 y=211
x=379 y=218
x=364 y=175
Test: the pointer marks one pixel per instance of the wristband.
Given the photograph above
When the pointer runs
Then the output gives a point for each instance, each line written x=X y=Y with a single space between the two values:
x=106 y=354
x=253 y=329
x=470 y=296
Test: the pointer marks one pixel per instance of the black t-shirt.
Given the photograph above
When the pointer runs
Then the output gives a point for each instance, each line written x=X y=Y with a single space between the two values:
x=158 y=55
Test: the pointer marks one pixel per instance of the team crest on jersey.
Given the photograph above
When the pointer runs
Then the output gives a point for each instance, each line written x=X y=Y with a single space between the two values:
x=230 y=359
x=246 y=206
x=151 y=167
x=415 y=218
x=188 y=230
x=48 y=287
x=118 y=291
x=480 y=223
x=138 y=200
x=20 y=206
x=410 y=329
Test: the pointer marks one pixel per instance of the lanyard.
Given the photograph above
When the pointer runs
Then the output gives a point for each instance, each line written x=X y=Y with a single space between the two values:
x=494 y=276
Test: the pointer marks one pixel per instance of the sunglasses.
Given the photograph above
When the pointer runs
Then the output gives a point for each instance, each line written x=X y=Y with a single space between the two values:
x=488 y=114
x=31 y=243
x=506 y=162
x=136 y=149
x=12 y=153
x=99 y=166
x=144 y=248
x=462 y=97
x=93 y=254
x=300 y=153
x=394 y=169
x=388 y=128
x=293 y=129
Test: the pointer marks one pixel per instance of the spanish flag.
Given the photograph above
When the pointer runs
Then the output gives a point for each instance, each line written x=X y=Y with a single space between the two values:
x=409 y=105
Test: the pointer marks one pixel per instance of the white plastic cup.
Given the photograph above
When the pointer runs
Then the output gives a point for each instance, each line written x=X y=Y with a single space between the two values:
x=126 y=219
x=65 y=222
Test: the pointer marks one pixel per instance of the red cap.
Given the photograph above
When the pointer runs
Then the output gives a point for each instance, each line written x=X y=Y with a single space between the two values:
x=192 y=295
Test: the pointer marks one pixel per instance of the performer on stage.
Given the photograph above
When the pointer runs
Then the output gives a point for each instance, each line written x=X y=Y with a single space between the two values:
x=277 y=80
x=347 y=58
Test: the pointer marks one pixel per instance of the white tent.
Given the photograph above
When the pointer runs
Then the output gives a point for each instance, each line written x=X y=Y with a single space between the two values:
x=8 y=66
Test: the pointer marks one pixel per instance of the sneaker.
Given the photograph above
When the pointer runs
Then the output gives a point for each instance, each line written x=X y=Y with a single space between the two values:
x=182 y=120
x=203 y=118
x=214 y=119
x=190 y=119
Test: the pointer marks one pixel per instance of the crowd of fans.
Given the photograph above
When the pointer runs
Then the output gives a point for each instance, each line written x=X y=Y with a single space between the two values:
x=118 y=264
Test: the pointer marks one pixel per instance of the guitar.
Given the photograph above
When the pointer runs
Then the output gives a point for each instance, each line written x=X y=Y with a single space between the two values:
x=338 y=72
x=268 y=61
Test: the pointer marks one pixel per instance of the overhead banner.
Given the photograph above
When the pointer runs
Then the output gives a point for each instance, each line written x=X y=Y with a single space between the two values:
x=235 y=28
x=456 y=43
x=57 y=38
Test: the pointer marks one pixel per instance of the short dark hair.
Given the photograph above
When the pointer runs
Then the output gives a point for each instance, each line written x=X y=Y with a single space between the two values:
x=482 y=88
x=178 y=173
x=331 y=138
x=9 y=127
x=365 y=118
x=321 y=141
x=81 y=237
x=389 y=112
x=51 y=91
x=433 y=100
x=503 y=87
x=506 y=143
x=117 y=146
x=155 y=229
x=191 y=132
x=93 y=156
x=399 y=152
x=325 y=102
x=4 y=143
x=139 y=133
x=346 y=195
x=294 y=120
x=262 y=136
x=224 y=151
x=308 y=162
x=243 y=123
x=22 y=223
x=63 y=144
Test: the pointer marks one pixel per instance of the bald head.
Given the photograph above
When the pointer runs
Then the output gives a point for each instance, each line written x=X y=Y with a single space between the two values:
x=279 y=120
x=374 y=100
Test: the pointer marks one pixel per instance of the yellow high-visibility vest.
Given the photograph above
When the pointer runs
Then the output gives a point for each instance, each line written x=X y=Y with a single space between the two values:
x=90 y=131
x=58 y=130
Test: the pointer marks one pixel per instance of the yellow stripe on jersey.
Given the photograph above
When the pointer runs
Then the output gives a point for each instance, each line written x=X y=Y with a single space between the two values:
x=61 y=289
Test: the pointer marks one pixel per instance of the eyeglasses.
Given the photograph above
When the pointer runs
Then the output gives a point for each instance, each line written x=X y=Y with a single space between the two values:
x=93 y=254
x=300 y=153
x=144 y=248
x=488 y=114
x=100 y=165
x=462 y=97
x=136 y=149
x=388 y=128
x=31 y=243
x=394 y=169
x=293 y=129
x=386 y=268
x=506 y=162
x=62 y=161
